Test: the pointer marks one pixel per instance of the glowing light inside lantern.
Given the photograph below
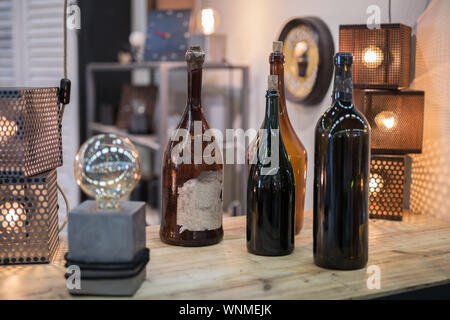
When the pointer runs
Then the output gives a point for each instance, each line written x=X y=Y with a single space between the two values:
x=386 y=120
x=372 y=57
x=8 y=128
x=376 y=183
x=208 y=21
x=12 y=216
x=373 y=183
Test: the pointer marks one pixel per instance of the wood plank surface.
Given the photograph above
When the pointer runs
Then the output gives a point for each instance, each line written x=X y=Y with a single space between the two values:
x=411 y=254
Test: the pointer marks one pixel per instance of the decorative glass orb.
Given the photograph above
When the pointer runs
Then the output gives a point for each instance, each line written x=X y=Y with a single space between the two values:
x=108 y=168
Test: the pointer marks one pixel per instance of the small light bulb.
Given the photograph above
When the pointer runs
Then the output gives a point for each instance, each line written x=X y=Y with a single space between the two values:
x=386 y=120
x=389 y=123
x=208 y=21
x=376 y=183
x=12 y=216
x=8 y=128
x=137 y=39
x=107 y=168
x=372 y=57
x=373 y=183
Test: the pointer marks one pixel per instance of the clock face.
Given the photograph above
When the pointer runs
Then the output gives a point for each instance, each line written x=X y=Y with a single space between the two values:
x=302 y=60
x=309 y=50
x=167 y=35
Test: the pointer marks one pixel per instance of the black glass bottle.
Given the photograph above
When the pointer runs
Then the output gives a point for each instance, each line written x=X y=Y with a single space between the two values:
x=271 y=187
x=341 y=194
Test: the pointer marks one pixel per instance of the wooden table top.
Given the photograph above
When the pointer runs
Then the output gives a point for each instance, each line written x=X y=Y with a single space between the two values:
x=411 y=254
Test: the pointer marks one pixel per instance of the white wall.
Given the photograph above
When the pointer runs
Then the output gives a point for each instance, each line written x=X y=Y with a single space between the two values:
x=430 y=188
x=252 y=25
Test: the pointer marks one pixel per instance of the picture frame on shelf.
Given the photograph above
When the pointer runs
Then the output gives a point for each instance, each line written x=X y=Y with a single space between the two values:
x=137 y=108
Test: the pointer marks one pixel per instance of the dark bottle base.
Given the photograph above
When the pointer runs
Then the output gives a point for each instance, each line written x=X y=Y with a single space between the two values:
x=342 y=265
x=192 y=238
x=270 y=254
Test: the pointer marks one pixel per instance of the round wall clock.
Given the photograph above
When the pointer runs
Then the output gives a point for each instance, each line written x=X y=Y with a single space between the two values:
x=309 y=50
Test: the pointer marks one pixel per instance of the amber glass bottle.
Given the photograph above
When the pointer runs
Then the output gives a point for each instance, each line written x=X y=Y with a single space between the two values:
x=295 y=149
x=192 y=183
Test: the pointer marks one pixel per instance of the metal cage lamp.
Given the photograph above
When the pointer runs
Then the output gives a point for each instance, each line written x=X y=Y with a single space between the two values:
x=28 y=219
x=396 y=119
x=31 y=150
x=381 y=72
x=30 y=135
x=381 y=56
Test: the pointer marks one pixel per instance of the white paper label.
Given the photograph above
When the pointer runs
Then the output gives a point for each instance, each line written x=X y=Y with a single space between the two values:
x=199 y=204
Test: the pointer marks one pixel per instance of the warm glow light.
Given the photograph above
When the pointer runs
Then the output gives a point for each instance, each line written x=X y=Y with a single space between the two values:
x=373 y=183
x=376 y=183
x=12 y=216
x=372 y=57
x=386 y=120
x=7 y=128
x=208 y=21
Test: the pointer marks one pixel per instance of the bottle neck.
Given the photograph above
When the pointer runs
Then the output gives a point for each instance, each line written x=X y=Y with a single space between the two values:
x=277 y=68
x=343 y=85
x=272 y=120
x=195 y=88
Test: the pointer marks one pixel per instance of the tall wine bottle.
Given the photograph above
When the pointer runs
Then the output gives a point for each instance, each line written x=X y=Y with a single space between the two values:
x=192 y=184
x=271 y=187
x=295 y=148
x=341 y=194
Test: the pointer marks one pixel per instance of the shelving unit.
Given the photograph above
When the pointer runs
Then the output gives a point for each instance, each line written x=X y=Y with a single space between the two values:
x=148 y=141
x=157 y=142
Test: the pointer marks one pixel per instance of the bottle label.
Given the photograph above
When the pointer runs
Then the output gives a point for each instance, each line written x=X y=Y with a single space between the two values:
x=199 y=204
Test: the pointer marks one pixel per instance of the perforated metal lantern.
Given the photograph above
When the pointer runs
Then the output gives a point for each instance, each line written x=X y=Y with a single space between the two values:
x=396 y=119
x=381 y=57
x=28 y=219
x=31 y=150
x=30 y=132
x=386 y=187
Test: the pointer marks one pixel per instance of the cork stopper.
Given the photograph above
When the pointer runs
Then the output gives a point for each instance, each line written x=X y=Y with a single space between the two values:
x=278 y=46
x=273 y=83
x=195 y=57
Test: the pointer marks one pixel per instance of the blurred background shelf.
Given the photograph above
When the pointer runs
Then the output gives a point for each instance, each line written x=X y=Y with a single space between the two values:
x=225 y=99
x=149 y=141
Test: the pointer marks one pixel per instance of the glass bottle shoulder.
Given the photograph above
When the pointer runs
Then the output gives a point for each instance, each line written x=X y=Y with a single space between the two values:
x=275 y=169
x=292 y=142
x=338 y=119
x=181 y=150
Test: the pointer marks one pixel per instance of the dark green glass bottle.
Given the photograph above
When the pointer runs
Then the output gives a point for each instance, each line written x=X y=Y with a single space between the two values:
x=271 y=187
x=341 y=178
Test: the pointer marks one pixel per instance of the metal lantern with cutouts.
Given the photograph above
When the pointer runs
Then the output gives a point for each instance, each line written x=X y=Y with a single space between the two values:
x=28 y=219
x=30 y=135
x=31 y=150
x=381 y=75
x=397 y=120
x=381 y=56
x=386 y=187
